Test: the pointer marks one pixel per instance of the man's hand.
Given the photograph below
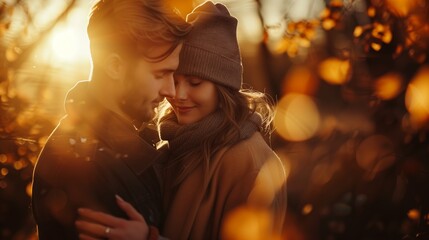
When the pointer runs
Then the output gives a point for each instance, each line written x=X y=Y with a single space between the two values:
x=98 y=225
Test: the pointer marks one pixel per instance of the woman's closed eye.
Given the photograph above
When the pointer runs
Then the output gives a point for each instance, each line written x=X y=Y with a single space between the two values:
x=194 y=82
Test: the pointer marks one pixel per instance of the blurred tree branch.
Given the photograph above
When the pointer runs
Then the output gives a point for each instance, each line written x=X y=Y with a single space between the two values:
x=25 y=51
x=22 y=128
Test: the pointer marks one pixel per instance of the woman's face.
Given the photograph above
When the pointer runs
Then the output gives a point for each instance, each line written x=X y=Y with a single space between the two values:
x=195 y=98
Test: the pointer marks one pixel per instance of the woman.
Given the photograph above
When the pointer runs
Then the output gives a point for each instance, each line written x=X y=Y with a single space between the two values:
x=219 y=164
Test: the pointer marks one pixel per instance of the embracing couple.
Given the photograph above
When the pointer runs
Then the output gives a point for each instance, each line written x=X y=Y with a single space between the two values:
x=105 y=174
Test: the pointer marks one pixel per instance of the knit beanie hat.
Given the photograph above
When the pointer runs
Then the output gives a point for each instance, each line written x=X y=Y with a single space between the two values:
x=211 y=50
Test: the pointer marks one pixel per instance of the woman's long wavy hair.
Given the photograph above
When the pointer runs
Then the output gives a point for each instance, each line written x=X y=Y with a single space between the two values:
x=236 y=107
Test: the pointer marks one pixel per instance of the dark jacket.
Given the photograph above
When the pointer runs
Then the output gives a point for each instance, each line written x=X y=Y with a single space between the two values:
x=92 y=155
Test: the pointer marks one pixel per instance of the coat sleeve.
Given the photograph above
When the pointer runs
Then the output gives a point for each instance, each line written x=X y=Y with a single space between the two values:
x=269 y=192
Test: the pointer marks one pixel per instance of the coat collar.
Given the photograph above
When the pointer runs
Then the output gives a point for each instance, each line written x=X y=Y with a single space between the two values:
x=120 y=136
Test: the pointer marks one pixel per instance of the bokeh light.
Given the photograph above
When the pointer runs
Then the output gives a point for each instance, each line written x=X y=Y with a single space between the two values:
x=417 y=97
x=300 y=79
x=3 y=158
x=247 y=223
x=297 y=117
x=382 y=32
x=375 y=154
x=334 y=70
x=401 y=7
x=388 y=86
x=4 y=171
x=29 y=189
x=307 y=209
x=414 y=214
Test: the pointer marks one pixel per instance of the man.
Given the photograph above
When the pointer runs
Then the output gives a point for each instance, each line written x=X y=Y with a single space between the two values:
x=95 y=152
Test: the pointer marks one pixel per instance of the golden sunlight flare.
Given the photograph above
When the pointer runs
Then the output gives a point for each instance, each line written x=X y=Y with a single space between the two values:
x=375 y=154
x=300 y=79
x=245 y=223
x=417 y=96
x=69 y=44
x=297 y=117
x=334 y=70
x=388 y=86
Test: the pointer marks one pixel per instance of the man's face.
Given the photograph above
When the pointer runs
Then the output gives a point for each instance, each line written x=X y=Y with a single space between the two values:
x=148 y=83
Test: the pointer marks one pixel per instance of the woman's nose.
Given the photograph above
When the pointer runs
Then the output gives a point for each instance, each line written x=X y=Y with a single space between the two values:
x=181 y=92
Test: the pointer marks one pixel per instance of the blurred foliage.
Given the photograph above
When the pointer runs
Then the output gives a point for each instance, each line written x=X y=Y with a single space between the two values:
x=23 y=127
x=364 y=174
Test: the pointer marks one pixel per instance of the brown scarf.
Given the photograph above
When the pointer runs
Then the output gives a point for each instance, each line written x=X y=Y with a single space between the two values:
x=183 y=138
x=186 y=140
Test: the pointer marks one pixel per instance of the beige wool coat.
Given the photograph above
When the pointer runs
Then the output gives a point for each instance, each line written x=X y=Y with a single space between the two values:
x=248 y=174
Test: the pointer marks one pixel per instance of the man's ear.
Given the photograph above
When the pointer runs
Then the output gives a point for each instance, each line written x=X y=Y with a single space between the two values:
x=115 y=66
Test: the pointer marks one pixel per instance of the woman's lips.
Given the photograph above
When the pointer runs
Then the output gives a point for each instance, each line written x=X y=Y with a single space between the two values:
x=184 y=109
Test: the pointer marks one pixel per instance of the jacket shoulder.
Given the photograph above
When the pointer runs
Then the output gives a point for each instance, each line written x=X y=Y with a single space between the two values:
x=252 y=152
x=65 y=152
x=254 y=160
x=77 y=141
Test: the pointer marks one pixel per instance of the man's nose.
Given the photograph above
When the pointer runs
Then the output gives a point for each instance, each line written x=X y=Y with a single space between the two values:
x=168 y=89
